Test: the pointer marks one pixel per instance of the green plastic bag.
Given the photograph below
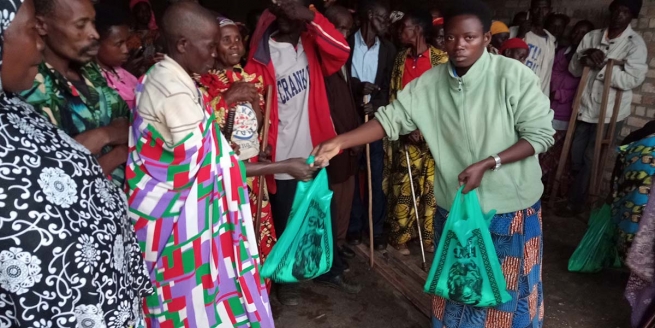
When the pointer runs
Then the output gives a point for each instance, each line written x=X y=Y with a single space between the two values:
x=304 y=251
x=597 y=249
x=466 y=268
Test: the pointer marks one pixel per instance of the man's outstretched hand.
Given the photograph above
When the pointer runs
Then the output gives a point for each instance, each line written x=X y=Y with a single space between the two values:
x=299 y=169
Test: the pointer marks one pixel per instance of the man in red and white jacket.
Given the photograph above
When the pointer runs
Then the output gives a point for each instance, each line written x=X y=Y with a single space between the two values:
x=293 y=48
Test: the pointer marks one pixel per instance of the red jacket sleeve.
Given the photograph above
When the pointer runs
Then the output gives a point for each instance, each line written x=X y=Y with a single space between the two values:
x=331 y=45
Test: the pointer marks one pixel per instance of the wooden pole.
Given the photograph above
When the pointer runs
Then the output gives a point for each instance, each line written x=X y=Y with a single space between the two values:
x=370 y=201
x=600 y=130
x=607 y=141
x=418 y=220
x=568 y=141
x=263 y=147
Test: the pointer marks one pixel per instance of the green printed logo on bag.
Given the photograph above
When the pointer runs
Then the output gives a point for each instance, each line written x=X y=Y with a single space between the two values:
x=466 y=268
x=304 y=251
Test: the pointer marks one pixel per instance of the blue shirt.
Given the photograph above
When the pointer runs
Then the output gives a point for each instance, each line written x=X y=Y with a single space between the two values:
x=365 y=59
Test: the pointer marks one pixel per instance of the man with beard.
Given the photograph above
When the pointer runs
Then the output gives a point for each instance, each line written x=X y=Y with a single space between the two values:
x=187 y=195
x=70 y=89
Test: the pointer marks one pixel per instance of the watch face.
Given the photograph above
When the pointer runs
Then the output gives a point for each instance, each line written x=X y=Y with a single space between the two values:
x=245 y=122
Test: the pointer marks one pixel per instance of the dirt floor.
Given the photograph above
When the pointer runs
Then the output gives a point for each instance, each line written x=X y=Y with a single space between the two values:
x=572 y=300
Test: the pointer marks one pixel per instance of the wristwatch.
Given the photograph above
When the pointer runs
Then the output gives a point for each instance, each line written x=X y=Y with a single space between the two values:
x=498 y=162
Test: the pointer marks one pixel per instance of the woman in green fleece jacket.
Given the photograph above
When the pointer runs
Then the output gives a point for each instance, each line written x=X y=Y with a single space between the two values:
x=479 y=113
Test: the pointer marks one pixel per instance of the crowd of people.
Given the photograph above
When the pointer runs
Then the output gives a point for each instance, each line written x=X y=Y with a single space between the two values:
x=132 y=164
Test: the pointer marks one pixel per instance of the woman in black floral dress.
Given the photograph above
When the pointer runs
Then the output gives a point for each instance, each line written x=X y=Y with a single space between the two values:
x=68 y=253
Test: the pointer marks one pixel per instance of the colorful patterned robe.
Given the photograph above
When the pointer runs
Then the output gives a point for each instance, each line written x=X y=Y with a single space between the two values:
x=213 y=85
x=632 y=179
x=193 y=221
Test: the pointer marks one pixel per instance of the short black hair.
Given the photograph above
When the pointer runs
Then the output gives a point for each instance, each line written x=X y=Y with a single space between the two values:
x=43 y=7
x=585 y=22
x=333 y=13
x=475 y=8
x=552 y=17
x=521 y=15
x=422 y=18
x=109 y=15
x=369 y=5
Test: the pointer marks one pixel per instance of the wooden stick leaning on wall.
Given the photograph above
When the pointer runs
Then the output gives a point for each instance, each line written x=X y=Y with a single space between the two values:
x=263 y=147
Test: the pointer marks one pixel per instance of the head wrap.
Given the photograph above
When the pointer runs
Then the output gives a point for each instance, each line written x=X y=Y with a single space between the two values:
x=226 y=22
x=513 y=43
x=633 y=5
x=498 y=27
x=437 y=21
x=396 y=15
x=152 y=25
x=8 y=10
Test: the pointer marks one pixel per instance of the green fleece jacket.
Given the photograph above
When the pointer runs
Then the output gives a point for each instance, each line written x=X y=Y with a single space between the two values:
x=467 y=119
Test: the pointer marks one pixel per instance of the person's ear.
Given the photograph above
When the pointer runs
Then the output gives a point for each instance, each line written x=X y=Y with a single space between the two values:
x=487 y=38
x=41 y=25
x=181 y=45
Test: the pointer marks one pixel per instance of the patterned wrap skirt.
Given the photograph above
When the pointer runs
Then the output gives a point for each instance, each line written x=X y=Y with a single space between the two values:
x=518 y=240
x=401 y=216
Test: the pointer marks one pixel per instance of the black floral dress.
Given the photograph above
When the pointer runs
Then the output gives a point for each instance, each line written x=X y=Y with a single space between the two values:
x=68 y=252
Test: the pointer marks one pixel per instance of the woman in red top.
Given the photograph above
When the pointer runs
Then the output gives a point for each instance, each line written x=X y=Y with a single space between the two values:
x=232 y=88
x=411 y=63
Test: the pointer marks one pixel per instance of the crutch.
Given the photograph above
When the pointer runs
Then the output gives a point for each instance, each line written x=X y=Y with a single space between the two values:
x=264 y=145
x=418 y=221
x=600 y=141
x=604 y=142
x=370 y=194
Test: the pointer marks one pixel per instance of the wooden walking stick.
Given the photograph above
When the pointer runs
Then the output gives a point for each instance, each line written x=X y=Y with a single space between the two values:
x=263 y=147
x=418 y=220
x=370 y=194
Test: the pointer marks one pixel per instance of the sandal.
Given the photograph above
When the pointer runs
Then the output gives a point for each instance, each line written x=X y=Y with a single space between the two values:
x=403 y=250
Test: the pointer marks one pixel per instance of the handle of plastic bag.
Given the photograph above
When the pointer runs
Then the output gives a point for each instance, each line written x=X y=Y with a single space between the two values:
x=310 y=160
x=457 y=203
x=472 y=204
